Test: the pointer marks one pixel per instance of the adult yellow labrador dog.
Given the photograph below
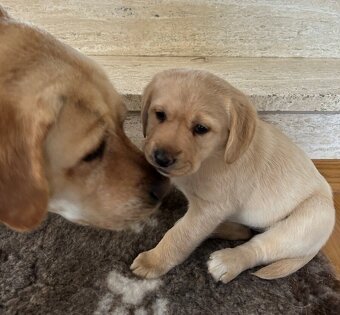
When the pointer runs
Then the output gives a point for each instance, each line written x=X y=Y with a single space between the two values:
x=236 y=171
x=62 y=144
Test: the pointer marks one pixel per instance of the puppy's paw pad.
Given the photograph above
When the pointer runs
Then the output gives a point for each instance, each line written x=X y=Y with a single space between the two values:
x=145 y=266
x=224 y=266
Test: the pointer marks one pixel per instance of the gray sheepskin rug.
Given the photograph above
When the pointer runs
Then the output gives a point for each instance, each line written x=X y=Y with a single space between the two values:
x=63 y=268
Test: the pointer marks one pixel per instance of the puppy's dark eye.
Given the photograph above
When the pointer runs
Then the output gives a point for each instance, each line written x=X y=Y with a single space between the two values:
x=200 y=129
x=161 y=116
x=96 y=154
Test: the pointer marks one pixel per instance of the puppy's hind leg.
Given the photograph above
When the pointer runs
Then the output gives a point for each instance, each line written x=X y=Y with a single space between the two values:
x=288 y=245
x=232 y=231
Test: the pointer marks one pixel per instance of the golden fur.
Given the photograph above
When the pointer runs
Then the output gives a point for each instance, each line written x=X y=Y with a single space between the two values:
x=56 y=107
x=241 y=172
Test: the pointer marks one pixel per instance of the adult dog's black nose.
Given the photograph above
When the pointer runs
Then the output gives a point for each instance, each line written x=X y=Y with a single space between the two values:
x=163 y=158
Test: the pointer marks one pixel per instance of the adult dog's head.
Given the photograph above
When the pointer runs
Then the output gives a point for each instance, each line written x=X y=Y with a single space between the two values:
x=189 y=115
x=62 y=144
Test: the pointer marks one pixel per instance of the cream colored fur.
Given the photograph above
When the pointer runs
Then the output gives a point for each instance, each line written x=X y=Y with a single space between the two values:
x=269 y=185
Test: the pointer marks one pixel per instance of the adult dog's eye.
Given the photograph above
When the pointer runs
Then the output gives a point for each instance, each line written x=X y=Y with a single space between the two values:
x=96 y=154
x=161 y=116
x=200 y=129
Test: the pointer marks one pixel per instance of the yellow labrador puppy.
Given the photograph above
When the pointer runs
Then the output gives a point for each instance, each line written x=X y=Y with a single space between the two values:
x=234 y=169
x=62 y=143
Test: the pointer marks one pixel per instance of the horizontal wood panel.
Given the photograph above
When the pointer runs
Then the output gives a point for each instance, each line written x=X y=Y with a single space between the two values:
x=300 y=28
x=332 y=173
x=331 y=170
x=285 y=84
x=318 y=135
x=332 y=248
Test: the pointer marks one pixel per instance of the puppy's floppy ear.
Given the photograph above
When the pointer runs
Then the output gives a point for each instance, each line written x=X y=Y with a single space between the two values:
x=242 y=124
x=146 y=101
x=23 y=185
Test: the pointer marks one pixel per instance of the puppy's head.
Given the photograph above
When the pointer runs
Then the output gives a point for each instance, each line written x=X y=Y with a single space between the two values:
x=190 y=115
x=62 y=143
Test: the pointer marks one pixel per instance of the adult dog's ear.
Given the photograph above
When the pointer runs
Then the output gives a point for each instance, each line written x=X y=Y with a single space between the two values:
x=3 y=13
x=146 y=101
x=24 y=189
x=242 y=125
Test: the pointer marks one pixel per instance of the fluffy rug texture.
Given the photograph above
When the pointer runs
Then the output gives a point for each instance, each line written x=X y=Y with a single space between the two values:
x=67 y=269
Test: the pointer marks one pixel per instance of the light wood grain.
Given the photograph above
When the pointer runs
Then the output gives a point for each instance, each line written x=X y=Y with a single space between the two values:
x=317 y=135
x=332 y=248
x=299 y=28
x=330 y=169
x=283 y=84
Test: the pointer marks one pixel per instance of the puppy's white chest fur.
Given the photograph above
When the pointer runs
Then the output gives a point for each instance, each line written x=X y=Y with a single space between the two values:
x=257 y=199
x=236 y=203
x=207 y=185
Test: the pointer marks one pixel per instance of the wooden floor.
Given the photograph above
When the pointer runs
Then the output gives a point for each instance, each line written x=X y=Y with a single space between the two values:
x=331 y=170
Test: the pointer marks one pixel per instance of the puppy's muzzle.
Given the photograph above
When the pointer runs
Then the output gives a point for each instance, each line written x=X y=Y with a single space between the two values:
x=163 y=158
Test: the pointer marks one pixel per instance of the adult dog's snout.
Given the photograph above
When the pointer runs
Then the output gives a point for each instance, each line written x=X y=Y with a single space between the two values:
x=163 y=158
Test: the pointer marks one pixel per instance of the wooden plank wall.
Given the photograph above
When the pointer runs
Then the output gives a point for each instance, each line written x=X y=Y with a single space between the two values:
x=244 y=28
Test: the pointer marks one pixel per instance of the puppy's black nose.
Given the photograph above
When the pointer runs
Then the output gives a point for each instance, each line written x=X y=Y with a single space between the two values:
x=163 y=158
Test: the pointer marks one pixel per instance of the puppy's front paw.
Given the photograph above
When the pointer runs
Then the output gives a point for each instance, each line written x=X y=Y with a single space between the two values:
x=147 y=265
x=225 y=265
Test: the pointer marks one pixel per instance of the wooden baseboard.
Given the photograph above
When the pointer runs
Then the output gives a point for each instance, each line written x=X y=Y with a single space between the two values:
x=330 y=169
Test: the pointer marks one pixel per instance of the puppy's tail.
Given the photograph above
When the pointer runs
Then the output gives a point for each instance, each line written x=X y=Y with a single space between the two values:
x=3 y=13
x=282 y=268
